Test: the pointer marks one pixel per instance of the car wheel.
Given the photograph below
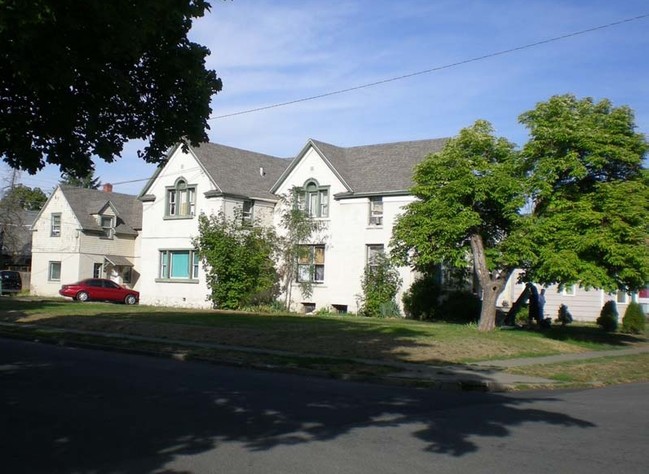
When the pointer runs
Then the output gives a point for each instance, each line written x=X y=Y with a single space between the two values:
x=130 y=299
x=82 y=296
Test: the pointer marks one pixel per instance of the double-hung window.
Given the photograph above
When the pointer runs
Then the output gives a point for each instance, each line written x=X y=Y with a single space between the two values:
x=97 y=270
x=315 y=199
x=569 y=290
x=54 y=272
x=621 y=297
x=179 y=265
x=374 y=254
x=246 y=213
x=55 y=225
x=108 y=226
x=311 y=263
x=181 y=200
x=376 y=211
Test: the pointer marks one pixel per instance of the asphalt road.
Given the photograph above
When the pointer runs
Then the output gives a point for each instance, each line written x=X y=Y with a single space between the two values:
x=82 y=411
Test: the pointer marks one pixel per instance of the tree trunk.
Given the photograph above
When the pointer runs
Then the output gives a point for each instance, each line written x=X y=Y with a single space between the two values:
x=488 y=311
x=492 y=284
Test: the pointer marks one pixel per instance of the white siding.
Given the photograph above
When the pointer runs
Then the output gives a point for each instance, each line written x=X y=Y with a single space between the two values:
x=584 y=305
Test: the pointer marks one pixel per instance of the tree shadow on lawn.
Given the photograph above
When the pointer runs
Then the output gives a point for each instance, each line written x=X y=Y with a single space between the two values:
x=68 y=410
x=590 y=334
x=336 y=337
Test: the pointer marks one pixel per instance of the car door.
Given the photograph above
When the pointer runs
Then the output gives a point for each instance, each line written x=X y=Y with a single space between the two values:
x=95 y=290
x=112 y=290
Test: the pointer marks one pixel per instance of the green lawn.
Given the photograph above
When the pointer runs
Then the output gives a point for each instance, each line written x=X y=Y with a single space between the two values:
x=343 y=336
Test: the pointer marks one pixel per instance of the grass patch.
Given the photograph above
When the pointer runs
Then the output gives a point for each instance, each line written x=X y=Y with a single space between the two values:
x=343 y=336
x=593 y=372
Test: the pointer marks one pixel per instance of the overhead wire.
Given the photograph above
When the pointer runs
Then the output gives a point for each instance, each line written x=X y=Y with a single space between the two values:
x=417 y=73
x=430 y=70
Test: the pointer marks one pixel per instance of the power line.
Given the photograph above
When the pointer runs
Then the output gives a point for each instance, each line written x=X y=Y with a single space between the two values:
x=434 y=69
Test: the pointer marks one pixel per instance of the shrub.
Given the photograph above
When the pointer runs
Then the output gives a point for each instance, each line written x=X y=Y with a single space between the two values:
x=381 y=282
x=238 y=262
x=421 y=301
x=608 y=317
x=460 y=307
x=634 y=319
x=523 y=316
x=564 y=317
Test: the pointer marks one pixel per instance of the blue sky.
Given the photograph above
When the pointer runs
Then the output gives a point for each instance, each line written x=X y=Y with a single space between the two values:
x=275 y=51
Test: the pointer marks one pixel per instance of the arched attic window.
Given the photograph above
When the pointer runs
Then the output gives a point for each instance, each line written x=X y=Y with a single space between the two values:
x=314 y=199
x=181 y=199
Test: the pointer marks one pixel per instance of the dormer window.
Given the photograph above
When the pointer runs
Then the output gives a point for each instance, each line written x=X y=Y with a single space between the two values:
x=107 y=226
x=314 y=199
x=181 y=200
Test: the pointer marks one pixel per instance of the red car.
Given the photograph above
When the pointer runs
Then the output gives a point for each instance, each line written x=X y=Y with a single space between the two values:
x=101 y=290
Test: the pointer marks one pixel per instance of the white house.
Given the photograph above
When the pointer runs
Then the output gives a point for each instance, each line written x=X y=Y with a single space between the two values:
x=207 y=179
x=357 y=192
x=85 y=233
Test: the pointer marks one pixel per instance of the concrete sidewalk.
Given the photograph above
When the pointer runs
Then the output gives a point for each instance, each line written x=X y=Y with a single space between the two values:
x=478 y=376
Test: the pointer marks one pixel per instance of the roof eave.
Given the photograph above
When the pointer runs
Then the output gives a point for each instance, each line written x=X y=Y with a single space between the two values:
x=365 y=194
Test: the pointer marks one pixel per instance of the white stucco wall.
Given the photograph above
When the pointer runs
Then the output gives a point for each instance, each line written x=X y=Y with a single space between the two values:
x=47 y=248
x=160 y=233
x=347 y=234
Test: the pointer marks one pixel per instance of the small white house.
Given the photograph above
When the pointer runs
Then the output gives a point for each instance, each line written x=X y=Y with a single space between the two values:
x=85 y=233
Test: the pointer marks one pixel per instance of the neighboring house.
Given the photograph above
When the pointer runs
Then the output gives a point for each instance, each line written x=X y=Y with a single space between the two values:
x=16 y=240
x=84 y=233
x=357 y=193
x=208 y=179
x=583 y=304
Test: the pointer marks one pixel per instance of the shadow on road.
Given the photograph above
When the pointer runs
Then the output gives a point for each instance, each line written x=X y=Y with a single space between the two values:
x=72 y=410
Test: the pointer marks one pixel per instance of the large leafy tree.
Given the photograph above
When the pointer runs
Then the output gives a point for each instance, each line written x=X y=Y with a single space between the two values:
x=469 y=197
x=79 y=79
x=581 y=176
x=590 y=218
x=24 y=197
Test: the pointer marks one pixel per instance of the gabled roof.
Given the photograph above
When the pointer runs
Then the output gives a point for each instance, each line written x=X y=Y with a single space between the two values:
x=87 y=203
x=239 y=172
x=372 y=169
x=234 y=171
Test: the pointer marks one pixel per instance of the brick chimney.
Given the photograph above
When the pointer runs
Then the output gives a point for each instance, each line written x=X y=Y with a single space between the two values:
x=107 y=188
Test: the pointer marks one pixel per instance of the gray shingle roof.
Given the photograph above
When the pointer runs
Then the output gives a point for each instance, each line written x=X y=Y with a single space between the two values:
x=86 y=203
x=380 y=168
x=237 y=171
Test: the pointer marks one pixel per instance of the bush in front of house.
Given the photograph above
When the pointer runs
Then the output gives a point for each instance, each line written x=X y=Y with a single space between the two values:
x=608 y=317
x=421 y=301
x=460 y=307
x=634 y=319
x=563 y=316
x=380 y=284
